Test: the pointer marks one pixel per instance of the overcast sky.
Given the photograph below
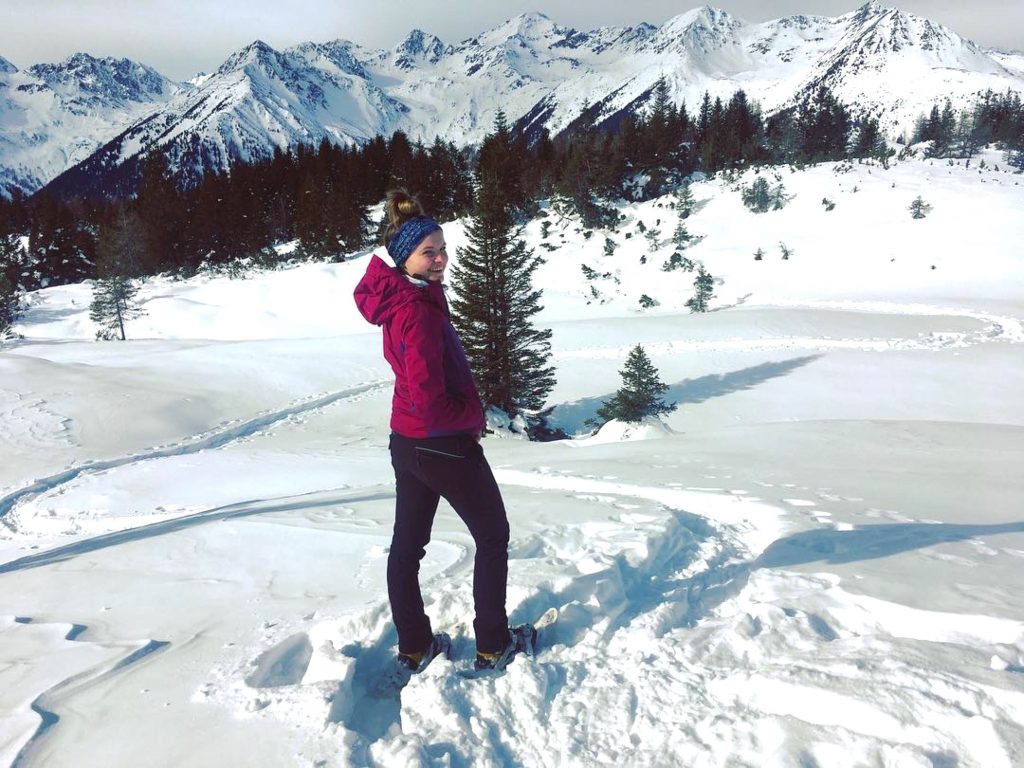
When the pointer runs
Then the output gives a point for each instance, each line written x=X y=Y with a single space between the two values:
x=182 y=37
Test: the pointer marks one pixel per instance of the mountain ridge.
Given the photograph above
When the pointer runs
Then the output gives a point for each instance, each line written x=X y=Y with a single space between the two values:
x=884 y=62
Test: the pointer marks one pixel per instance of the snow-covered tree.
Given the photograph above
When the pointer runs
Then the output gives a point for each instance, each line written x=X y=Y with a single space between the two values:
x=640 y=393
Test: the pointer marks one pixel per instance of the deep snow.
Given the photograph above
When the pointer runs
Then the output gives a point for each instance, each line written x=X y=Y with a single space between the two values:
x=815 y=560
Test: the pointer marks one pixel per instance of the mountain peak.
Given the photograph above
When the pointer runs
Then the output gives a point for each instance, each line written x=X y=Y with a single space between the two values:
x=528 y=26
x=420 y=44
x=6 y=67
x=82 y=75
x=256 y=51
x=705 y=18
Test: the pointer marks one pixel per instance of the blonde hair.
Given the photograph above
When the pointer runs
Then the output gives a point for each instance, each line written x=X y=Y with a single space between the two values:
x=401 y=206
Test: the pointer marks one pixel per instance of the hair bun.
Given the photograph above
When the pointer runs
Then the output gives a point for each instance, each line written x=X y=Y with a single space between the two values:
x=401 y=206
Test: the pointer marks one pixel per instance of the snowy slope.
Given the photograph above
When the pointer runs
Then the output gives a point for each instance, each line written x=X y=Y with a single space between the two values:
x=879 y=60
x=53 y=116
x=815 y=560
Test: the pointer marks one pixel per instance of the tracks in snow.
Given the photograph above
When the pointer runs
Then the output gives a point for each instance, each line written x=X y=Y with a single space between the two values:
x=213 y=440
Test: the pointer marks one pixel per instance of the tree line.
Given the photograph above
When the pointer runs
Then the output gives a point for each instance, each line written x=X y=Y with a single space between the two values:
x=323 y=196
x=994 y=119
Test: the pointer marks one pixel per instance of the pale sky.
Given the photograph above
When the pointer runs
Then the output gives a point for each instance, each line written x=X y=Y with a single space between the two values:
x=182 y=37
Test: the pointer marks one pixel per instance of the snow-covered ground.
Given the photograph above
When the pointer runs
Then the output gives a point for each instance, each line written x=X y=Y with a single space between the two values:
x=814 y=561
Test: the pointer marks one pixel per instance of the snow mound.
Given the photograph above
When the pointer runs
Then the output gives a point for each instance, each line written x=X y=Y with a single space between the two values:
x=615 y=431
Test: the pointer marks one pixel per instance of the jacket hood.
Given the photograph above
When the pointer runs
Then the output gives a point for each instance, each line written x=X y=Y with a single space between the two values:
x=381 y=291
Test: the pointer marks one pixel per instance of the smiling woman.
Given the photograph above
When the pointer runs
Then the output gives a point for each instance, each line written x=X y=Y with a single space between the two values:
x=436 y=423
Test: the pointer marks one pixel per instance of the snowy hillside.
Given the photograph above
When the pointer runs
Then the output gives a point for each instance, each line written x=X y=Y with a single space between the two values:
x=53 y=116
x=815 y=560
x=879 y=60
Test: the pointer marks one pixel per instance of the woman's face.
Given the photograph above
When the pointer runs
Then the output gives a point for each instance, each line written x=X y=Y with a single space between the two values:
x=429 y=259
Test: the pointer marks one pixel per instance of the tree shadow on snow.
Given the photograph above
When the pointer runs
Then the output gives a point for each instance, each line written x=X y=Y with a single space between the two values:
x=717 y=385
x=572 y=417
x=869 y=542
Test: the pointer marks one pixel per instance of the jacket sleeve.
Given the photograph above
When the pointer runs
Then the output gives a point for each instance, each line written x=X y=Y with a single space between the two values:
x=423 y=357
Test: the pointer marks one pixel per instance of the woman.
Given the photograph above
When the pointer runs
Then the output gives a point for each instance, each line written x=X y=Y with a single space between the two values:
x=436 y=423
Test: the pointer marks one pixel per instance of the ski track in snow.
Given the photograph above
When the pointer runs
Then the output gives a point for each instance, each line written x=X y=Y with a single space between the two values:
x=718 y=664
x=212 y=440
x=997 y=328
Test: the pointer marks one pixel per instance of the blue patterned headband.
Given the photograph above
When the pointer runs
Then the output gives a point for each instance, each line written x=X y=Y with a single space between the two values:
x=409 y=235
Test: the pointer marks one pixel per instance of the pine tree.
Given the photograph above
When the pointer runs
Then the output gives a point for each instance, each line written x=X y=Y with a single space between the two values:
x=684 y=201
x=495 y=300
x=8 y=299
x=14 y=264
x=640 y=393
x=757 y=197
x=681 y=237
x=59 y=246
x=114 y=291
x=919 y=208
x=703 y=291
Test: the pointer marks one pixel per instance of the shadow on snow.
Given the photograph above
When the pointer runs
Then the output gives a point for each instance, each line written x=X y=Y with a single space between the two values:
x=572 y=417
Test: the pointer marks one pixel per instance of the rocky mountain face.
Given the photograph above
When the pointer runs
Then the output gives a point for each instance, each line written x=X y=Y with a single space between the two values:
x=881 y=61
x=53 y=116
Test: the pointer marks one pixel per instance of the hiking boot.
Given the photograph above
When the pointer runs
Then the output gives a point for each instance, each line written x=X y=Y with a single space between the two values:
x=409 y=664
x=522 y=639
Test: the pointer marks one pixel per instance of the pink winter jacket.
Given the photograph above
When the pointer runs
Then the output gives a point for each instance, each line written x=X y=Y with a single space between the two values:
x=434 y=390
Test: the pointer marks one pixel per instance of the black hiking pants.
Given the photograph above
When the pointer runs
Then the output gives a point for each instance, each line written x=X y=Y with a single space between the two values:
x=453 y=467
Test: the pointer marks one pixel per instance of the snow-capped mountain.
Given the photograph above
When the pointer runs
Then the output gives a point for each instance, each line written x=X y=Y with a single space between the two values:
x=258 y=99
x=878 y=60
x=53 y=116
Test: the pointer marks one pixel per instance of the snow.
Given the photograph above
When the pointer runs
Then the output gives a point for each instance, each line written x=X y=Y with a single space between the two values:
x=814 y=560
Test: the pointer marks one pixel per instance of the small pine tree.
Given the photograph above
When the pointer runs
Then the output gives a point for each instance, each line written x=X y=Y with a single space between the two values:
x=684 y=201
x=640 y=393
x=588 y=272
x=757 y=196
x=829 y=205
x=12 y=264
x=113 y=303
x=758 y=255
x=779 y=197
x=681 y=237
x=703 y=291
x=786 y=252
x=653 y=236
x=609 y=247
x=678 y=261
x=646 y=302
x=8 y=305
x=919 y=208
x=114 y=291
